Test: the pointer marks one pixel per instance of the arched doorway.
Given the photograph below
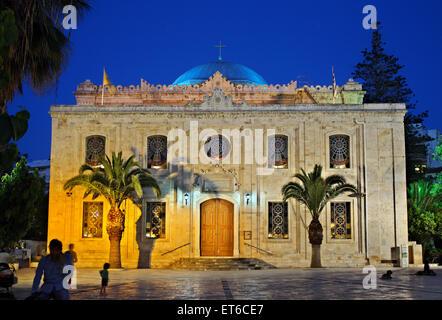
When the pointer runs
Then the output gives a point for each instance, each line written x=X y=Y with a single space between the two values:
x=216 y=228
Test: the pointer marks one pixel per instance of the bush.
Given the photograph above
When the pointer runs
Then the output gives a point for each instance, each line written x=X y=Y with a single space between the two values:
x=433 y=255
x=21 y=195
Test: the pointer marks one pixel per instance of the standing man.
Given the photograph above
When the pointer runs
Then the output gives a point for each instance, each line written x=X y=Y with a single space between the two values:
x=74 y=259
x=72 y=253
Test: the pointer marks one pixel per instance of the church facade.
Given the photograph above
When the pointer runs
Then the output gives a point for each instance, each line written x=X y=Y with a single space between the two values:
x=222 y=142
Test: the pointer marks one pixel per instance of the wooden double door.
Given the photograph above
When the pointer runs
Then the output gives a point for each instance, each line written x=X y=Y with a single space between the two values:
x=216 y=228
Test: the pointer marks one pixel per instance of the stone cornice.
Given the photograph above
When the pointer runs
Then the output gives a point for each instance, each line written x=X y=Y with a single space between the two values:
x=234 y=108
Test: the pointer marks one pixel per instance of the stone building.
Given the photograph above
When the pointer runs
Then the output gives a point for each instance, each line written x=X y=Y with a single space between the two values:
x=222 y=142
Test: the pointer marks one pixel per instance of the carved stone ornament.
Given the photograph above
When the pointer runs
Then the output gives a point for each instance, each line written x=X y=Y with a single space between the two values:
x=219 y=100
x=216 y=172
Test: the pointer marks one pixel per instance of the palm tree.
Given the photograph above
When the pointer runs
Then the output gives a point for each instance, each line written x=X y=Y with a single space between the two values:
x=41 y=48
x=315 y=192
x=116 y=181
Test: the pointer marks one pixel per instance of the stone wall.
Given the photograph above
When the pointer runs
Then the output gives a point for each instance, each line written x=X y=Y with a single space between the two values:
x=376 y=136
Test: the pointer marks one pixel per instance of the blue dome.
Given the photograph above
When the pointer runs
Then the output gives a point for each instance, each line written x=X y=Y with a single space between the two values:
x=236 y=73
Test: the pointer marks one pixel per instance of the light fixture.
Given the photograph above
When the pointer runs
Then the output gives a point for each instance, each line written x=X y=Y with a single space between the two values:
x=247 y=198
x=186 y=197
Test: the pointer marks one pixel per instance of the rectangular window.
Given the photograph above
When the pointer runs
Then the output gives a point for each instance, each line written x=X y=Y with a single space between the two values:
x=92 y=219
x=278 y=220
x=155 y=220
x=340 y=220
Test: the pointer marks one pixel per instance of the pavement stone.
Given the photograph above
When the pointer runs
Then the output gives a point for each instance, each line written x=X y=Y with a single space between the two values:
x=275 y=284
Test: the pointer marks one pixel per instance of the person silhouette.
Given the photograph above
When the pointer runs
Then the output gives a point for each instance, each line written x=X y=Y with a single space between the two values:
x=387 y=275
x=72 y=253
x=74 y=259
x=52 y=267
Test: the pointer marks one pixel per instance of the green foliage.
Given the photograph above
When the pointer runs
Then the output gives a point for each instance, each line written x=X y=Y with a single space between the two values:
x=379 y=74
x=13 y=126
x=116 y=180
x=8 y=34
x=433 y=255
x=21 y=193
x=314 y=191
x=8 y=157
x=437 y=155
x=41 y=49
x=39 y=226
x=424 y=212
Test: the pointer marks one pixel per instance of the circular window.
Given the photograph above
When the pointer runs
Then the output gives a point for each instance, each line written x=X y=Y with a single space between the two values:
x=217 y=147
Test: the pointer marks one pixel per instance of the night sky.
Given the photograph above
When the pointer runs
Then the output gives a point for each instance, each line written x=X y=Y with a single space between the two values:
x=280 y=40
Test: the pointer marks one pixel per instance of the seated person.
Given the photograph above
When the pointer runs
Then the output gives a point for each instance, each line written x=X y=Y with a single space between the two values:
x=51 y=266
x=387 y=275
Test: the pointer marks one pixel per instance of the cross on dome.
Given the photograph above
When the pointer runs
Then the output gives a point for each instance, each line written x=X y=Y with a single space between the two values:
x=220 y=46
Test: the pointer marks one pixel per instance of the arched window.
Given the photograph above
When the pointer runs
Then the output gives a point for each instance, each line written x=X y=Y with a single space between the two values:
x=157 y=152
x=339 y=151
x=95 y=147
x=278 y=152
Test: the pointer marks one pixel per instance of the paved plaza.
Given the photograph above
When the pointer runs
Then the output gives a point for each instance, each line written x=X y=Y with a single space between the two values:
x=281 y=284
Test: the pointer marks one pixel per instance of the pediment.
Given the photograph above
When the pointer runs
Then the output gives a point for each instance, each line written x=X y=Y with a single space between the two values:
x=219 y=100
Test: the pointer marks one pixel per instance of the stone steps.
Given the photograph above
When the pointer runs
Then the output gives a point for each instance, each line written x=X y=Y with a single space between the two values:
x=206 y=264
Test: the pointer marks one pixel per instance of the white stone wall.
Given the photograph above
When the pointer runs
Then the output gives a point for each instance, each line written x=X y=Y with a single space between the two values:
x=308 y=127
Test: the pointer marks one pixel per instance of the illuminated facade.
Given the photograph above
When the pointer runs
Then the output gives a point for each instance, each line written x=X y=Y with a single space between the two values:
x=221 y=184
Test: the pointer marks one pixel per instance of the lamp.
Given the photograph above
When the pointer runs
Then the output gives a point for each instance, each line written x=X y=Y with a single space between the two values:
x=247 y=198
x=186 y=197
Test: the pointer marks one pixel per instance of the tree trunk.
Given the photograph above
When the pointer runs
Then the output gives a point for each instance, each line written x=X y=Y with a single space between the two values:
x=115 y=228
x=114 y=252
x=315 y=235
x=316 y=256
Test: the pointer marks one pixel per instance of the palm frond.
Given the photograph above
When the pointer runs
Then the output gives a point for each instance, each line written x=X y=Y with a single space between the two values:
x=86 y=167
x=117 y=179
x=314 y=191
